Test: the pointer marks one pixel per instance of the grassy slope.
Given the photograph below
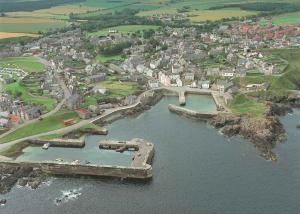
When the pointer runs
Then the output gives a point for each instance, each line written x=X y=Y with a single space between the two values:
x=47 y=124
x=241 y=104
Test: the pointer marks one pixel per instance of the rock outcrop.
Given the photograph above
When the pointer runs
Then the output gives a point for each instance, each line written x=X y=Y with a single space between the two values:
x=20 y=174
x=264 y=132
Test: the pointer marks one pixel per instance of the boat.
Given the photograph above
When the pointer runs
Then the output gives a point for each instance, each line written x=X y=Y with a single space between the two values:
x=298 y=126
x=46 y=146
x=75 y=162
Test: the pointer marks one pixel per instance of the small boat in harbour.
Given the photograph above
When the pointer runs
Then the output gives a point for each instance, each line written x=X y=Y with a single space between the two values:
x=46 y=146
x=298 y=126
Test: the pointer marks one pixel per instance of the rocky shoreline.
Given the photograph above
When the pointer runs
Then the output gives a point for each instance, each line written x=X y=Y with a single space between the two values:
x=264 y=132
x=21 y=175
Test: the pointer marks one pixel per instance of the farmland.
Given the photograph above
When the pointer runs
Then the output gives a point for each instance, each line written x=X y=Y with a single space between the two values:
x=58 y=16
x=5 y=35
x=28 y=25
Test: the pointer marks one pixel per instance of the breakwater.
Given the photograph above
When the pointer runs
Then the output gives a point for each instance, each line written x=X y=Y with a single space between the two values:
x=69 y=169
x=190 y=113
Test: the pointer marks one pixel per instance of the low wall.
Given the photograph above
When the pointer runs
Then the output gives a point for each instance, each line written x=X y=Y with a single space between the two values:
x=90 y=170
x=190 y=113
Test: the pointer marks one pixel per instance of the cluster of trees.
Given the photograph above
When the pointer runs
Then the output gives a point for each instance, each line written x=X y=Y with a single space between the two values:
x=29 y=5
x=114 y=49
x=124 y=17
x=266 y=8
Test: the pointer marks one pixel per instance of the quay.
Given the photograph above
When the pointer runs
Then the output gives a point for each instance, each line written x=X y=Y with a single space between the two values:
x=70 y=143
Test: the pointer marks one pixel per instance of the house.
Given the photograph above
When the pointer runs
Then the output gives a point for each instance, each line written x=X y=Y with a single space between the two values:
x=5 y=123
x=204 y=84
x=96 y=78
x=223 y=86
x=189 y=77
x=99 y=90
x=153 y=83
x=84 y=114
x=164 y=79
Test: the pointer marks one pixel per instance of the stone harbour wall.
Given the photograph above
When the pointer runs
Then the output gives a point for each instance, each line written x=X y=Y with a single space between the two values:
x=90 y=170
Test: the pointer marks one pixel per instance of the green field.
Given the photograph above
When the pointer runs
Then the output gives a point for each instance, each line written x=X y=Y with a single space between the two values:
x=125 y=29
x=47 y=124
x=104 y=59
x=291 y=18
x=28 y=64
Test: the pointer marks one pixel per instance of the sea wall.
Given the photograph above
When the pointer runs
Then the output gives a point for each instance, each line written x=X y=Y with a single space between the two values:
x=90 y=170
x=190 y=113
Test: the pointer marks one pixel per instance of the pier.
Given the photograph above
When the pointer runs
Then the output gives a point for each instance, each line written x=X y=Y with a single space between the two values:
x=182 y=98
x=143 y=154
x=190 y=113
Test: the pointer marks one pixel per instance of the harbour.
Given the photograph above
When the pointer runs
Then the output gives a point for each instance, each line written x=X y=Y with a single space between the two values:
x=186 y=169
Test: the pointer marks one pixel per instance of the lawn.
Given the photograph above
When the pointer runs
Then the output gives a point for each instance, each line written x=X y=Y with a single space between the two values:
x=242 y=104
x=119 y=89
x=104 y=59
x=47 y=124
x=125 y=29
x=28 y=64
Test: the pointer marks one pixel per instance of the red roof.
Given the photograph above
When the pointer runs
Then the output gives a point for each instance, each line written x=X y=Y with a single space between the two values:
x=14 y=118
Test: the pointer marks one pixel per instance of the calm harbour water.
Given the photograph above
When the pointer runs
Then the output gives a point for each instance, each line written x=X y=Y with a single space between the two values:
x=196 y=170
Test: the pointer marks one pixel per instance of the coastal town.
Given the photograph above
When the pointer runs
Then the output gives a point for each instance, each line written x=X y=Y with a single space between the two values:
x=239 y=75
x=182 y=58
